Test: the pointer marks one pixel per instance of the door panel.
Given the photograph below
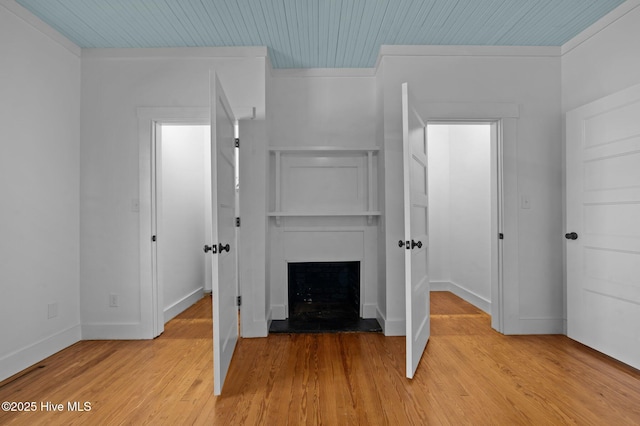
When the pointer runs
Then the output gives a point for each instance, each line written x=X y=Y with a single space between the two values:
x=603 y=207
x=223 y=256
x=416 y=229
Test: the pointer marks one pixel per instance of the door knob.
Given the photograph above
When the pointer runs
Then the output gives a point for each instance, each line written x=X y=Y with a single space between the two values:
x=222 y=248
x=571 y=236
x=414 y=244
x=212 y=249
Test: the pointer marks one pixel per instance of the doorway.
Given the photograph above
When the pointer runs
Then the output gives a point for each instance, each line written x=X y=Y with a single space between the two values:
x=464 y=206
x=183 y=212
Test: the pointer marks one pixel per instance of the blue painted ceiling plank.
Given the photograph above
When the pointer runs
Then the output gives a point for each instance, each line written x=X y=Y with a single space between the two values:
x=242 y=33
x=255 y=23
x=218 y=22
x=151 y=34
x=418 y=14
x=184 y=24
x=293 y=27
x=314 y=34
x=361 y=40
x=371 y=47
x=376 y=39
x=318 y=33
x=63 y=21
x=346 y=10
x=205 y=15
x=355 y=31
x=334 y=32
x=283 y=29
x=158 y=20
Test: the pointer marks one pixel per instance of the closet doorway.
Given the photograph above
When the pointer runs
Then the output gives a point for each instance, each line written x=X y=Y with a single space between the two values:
x=183 y=215
x=464 y=206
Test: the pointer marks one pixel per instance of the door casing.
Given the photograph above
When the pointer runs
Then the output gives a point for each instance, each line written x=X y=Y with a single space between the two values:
x=505 y=304
x=149 y=119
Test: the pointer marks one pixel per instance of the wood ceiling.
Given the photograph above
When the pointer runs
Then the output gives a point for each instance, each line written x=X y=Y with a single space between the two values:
x=318 y=33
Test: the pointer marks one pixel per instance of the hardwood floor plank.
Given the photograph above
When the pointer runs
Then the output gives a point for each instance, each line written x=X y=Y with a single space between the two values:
x=470 y=374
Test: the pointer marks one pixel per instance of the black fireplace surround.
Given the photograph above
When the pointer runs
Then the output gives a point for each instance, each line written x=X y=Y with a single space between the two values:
x=323 y=297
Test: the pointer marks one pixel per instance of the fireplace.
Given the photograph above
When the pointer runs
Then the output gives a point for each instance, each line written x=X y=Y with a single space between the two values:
x=324 y=291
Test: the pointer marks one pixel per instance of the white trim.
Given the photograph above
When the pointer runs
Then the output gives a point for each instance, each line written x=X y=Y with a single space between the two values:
x=322 y=72
x=151 y=313
x=504 y=253
x=369 y=310
x=541 y=326
x=20 y=359
x=176 y=52
x=252 y=329
x=39 y=25
x=440 y=285
x=601 y=24
x=181 y=305
x=278 y=312
x=485 y=111
x=467 y=295
x=116 y=331
x=396 y=327
x=437 y=50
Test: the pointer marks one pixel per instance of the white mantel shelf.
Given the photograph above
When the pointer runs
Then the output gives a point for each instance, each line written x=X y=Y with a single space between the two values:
x=321 y=214
x=322 y=149
x=369 y=215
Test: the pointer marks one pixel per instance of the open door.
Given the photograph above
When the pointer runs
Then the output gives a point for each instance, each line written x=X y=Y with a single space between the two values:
x=223 y=240
x=416 y=229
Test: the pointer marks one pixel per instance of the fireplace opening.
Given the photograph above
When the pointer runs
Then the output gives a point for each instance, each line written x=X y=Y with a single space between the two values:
x=324 y=291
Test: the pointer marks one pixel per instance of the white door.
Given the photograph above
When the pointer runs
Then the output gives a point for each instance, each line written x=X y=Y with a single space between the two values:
x=603 y=225
x=223 y=241
x=416 y=230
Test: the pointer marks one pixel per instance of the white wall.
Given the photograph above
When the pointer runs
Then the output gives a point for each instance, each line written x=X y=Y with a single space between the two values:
x=460 y=211
x=322 y=108
x=252 y=234
x=114 y=84
x=39 y=183
x=181 y=224
x=439 y=205
x=603 y=59
x=529 y=77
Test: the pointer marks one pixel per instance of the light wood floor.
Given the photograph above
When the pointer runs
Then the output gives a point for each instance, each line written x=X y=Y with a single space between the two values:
x=469 y=375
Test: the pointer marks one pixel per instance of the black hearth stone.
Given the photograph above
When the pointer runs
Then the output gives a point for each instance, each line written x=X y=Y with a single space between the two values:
x=325 y=326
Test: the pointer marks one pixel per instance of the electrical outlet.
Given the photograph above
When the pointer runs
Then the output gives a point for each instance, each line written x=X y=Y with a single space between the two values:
x=52 y=310
x=114 y=300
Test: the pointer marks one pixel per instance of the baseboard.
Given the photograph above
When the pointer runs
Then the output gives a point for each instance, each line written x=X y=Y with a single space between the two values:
x=23 y=358
x=441 y=285
x=541 y=326
x=181 y=305
x=466 y=295
x=369 y=310
x=278 y=312
x=391 y=327
x=116 y=331
x=269 y=319
x=251 y=329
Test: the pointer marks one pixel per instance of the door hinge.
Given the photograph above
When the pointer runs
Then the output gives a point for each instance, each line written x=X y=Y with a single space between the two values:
x=237 y=222
x=154 y=238
x=237 y=142
x=501 y=236
x=239 y=300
